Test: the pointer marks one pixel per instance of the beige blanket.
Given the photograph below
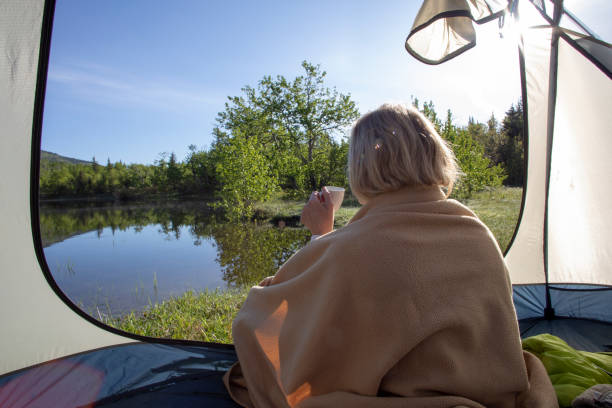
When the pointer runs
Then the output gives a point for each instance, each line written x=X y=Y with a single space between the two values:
x=409 y=305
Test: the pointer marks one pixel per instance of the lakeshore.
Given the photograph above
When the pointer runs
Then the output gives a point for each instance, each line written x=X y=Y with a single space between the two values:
x=207 y=315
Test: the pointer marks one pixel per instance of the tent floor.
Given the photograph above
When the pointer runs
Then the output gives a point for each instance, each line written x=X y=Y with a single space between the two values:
x=581 y=334
x=160 y=375
x=132 y=375
x=203 y=390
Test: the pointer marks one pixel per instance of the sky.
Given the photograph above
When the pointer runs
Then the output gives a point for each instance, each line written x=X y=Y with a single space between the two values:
x=129 y=80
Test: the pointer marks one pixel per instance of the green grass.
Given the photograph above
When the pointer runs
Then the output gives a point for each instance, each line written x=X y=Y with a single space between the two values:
x=289 y=211
x=498 y=209
x=203 y=316
x=208 y=315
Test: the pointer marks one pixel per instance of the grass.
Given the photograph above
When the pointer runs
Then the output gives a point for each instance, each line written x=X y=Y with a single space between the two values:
x=498 y=209
x=204 y=316
x=208 y=315
x=289 y=211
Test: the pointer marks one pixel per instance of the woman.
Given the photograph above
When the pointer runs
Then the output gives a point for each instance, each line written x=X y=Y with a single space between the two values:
x=408 y=305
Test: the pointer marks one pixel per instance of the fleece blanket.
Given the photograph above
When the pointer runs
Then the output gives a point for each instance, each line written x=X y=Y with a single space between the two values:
x=409 y=305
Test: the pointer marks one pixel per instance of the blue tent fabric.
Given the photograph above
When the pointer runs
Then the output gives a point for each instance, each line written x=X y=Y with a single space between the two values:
x=581 y=334
x=577 y=301
x=583 y=317
x=138 y=374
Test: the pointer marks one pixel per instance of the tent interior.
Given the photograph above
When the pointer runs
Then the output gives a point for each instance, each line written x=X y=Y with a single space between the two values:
x=559 y=258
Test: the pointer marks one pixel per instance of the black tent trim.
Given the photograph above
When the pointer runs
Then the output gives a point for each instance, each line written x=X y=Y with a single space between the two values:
x=549 y=311
x=563 y=33
x=448 y=14
x=599 y=286
x=580 y=24
x=41 y=83
x=437 y=62
x=591 y=289
x=543 y=13
x=540 y=4
x=523 y=75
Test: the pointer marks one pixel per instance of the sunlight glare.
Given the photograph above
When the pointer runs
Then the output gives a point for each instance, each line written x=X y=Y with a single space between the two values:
x=514 y=27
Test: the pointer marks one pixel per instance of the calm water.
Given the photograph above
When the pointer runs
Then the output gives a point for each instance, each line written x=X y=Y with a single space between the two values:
x=114 y=259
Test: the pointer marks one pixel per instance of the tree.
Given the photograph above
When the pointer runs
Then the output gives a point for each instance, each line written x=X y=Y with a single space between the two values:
x=173 y=173
x=296 y=125
x=430 y=113
x=243 y=174
x=477 y=170
x=160 y=174
x=201 y=170
x=511 y=150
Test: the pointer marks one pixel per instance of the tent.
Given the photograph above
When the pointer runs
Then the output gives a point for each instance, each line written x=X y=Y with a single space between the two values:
x=54 y=354
x=560 y=257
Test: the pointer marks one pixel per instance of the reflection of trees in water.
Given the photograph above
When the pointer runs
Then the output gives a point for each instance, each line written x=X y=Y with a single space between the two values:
x=57 y=224
x=246 y=253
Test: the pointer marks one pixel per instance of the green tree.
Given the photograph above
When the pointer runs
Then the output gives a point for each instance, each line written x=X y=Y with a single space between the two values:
x=511 y=149
x=297 y=125
x=160 y=173
x=201 y=170
x=477 y=170
x=173 y=173
x=244 y=175
x=429 y=111
x=140 y=178
x=493 y=139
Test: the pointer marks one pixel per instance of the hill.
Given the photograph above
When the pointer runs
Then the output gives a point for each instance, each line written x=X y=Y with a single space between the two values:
x=54 y=158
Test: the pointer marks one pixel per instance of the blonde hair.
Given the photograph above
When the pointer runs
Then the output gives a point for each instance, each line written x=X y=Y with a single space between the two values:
x=397 y=146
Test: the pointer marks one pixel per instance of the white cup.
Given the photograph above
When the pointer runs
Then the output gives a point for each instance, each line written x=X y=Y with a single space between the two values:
x=337 y=195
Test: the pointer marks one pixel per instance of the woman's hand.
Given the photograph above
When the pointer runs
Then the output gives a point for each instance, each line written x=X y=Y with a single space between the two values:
x=267 y=281
x=318 y=213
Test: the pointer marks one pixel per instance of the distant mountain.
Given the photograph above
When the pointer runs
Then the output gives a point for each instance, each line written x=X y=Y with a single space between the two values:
x=54 y=157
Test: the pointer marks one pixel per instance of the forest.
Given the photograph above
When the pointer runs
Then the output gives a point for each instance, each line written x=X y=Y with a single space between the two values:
x=290 y=137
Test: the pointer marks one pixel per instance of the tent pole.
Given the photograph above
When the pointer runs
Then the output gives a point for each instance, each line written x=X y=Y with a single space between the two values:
x=549 y=311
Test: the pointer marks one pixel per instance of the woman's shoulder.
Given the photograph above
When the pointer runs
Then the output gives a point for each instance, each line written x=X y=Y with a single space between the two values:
x=437 y=211
x=412 y=226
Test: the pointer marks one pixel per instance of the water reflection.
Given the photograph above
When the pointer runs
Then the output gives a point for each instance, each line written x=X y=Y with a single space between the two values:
x=244 y=252
x=121 y=258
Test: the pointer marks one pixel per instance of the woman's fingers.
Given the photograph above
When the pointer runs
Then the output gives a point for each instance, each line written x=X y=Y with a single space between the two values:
x=266 y=281
x=326 y=196
x=318 y=213
x=314 y=196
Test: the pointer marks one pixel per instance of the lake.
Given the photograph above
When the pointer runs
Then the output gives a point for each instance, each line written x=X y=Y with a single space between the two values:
x=111 y=259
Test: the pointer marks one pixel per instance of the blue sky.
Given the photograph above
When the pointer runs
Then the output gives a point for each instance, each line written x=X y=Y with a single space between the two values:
x=131 y=79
